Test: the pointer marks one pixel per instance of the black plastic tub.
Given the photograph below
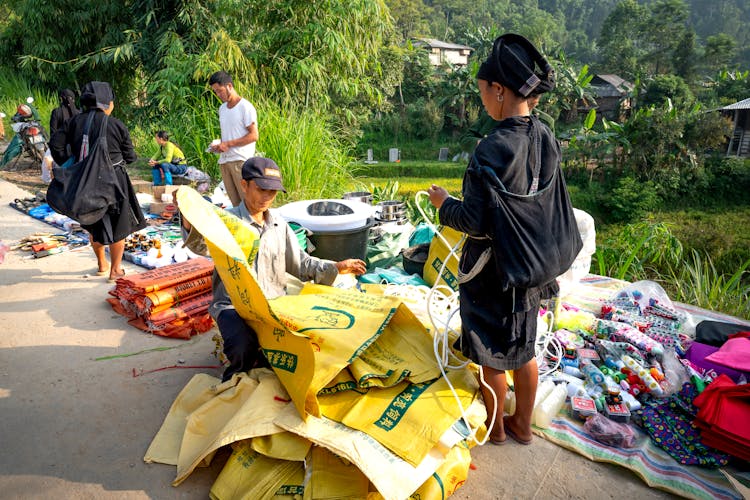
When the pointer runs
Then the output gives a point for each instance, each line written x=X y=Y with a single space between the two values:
x=341 y=245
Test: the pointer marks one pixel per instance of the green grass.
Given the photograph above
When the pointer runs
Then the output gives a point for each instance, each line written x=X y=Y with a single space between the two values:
x=425 y=169
x=722 y=234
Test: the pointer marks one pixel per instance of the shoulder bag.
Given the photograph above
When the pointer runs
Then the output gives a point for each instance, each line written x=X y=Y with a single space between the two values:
x=85 y=190
x=534 y=236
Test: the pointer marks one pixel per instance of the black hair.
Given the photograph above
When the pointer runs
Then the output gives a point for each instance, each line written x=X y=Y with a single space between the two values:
x=162 y=134
x=220 y=77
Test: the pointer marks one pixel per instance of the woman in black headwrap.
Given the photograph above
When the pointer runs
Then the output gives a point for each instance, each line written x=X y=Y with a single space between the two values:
x=62 y=114
x=499 y=327
x=125 y=217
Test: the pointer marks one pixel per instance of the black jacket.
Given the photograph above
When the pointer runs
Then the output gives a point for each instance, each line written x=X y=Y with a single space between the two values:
x=118 y=138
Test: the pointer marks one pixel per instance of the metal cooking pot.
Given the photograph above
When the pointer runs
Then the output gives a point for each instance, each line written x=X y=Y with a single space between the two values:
x=390 y=207
x=363 y=196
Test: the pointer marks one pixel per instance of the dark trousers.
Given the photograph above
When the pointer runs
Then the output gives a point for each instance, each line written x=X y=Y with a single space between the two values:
x=241 y=346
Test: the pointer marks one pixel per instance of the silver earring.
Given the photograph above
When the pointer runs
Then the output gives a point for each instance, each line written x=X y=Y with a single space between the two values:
x=500 y=97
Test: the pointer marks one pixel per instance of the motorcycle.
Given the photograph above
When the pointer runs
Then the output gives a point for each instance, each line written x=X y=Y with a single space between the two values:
x=30 y=138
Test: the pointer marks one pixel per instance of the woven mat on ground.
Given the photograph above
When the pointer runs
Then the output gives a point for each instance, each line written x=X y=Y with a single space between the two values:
x=650 y=463
x=167 y=276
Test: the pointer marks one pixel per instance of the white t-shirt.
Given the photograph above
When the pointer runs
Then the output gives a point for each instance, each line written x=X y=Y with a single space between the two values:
x=234 y=122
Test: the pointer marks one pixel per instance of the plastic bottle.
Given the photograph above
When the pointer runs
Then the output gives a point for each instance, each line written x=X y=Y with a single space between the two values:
x=550 y=406
x=510 y=403
x=572 y=370
x=544 y=389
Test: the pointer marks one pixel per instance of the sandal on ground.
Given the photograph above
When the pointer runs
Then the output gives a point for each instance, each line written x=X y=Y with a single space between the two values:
x=499 y=442
x=19 y=204
x=515 y=437
x=114 y=278
x=102 y=273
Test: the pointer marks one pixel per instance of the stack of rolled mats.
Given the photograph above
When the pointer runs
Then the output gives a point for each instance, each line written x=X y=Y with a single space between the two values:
x=171 y=301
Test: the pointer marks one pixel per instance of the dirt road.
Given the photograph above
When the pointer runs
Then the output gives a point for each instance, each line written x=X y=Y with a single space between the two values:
x=76 y=426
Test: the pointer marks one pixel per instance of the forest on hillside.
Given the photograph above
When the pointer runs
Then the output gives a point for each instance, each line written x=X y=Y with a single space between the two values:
x=713 y=32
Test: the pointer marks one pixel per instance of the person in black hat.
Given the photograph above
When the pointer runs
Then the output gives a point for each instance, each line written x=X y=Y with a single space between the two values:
x=62 y=114
x=278 y=253
x=499 y=327
x=125 y=217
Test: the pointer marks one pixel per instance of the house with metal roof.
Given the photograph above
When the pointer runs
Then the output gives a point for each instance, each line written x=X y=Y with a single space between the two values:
x=739 y=141
x=444 y=52
x=612 y=95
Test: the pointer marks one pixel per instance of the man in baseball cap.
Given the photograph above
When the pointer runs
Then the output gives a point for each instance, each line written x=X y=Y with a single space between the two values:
x=279 y=253
x=265 y=173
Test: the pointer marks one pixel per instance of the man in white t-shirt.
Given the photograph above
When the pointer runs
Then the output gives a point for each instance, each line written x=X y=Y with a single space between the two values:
x=239 y=132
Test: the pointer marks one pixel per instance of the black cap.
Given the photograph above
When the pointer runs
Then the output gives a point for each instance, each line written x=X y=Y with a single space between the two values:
x=517 y=64
x=97 y=95
x=265 y=173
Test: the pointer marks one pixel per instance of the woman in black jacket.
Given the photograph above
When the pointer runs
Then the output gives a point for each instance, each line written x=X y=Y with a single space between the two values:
x=62 y=114
x=499 y=326
x=125 y=216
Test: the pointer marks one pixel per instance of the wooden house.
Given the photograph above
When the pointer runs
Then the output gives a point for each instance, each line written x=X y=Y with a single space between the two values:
x=612 y=95
x=739 y=141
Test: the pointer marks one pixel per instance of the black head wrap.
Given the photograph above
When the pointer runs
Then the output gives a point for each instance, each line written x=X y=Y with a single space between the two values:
x=514 y=62
x=67 y=97
x=97 y=95
x=67 y=108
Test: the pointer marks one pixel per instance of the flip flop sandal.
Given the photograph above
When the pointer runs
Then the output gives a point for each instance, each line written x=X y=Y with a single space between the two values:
x=102 y=273
x=112 y=279
x=515 y=437
x=498 y=442
x=20 y=204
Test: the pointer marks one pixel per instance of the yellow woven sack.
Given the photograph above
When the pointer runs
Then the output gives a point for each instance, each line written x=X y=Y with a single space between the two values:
x=332 y=477
x=248 y=475
x=308 y=339
x=437 y=256
x=445 y=481
x=408 y=419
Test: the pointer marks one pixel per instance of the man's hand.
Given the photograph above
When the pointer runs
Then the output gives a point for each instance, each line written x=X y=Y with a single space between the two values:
x=351 y=266
x=222 y=147
x=437 y=195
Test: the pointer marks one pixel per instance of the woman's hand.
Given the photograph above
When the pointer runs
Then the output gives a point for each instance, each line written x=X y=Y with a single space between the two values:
x=437 y=195
x=351 y=266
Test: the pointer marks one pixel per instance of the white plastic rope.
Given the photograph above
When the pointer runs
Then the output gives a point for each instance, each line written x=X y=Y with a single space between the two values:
x=441 y=308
